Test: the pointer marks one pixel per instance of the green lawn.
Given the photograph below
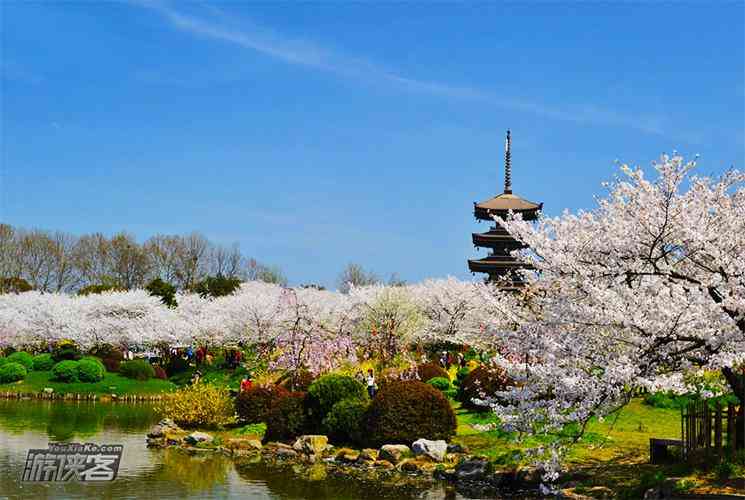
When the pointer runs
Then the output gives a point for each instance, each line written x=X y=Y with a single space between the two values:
x=112 y=383
x=612 y=453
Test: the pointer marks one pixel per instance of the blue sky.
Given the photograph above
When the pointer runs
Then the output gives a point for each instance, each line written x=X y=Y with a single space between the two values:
x=321 y=134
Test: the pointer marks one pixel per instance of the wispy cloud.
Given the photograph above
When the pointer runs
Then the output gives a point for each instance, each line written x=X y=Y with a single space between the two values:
x=308 y=54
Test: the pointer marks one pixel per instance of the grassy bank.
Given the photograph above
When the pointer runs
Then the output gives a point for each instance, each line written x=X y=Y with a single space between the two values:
x=112 y=383
x=613 y=453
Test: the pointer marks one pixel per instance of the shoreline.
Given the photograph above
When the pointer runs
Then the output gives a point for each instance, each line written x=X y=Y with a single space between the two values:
x=75 y=396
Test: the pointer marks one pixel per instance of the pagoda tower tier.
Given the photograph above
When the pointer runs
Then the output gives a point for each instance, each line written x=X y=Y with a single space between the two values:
x=499 y=265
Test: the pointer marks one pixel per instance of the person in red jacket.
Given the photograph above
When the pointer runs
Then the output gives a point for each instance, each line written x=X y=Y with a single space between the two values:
x=246 y=384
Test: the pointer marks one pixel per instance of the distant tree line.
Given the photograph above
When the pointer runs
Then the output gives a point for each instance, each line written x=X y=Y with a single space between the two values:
x=56 y=261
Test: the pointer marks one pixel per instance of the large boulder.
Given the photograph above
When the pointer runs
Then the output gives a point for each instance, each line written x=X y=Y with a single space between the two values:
x=165 y=426
x=394 y=453
x=312 y=444
x=244 y=443
x=434 y=450
x=199 y=437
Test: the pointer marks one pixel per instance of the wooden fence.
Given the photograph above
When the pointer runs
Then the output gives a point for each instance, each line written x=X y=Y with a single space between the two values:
x=712 y=430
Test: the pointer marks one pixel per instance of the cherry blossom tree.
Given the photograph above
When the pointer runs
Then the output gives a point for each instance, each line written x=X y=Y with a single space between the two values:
x=644 y=289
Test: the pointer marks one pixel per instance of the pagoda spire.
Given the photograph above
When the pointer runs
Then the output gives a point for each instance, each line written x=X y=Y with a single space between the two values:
x=507 y=164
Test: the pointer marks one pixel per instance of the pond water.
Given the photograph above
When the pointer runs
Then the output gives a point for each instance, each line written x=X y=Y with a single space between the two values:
x=151 y=473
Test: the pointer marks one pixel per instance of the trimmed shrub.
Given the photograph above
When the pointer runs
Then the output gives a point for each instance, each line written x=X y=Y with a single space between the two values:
x=328 y=390
x=428 y=371
x=43 y=362
x=65 y=371
x=407 y=410
x=12 y=372
x=175 y=365
x=299 y=380
x=439 y=383
x=198 y=405
x=481 y=381
x=254 y=404
x=109 y=355
x=22 y=358
x=90 y=370
x=66 y=349
x=461 y=374
x=138 y=369
x=287 y=419
x=160 y=373
x=345 y=421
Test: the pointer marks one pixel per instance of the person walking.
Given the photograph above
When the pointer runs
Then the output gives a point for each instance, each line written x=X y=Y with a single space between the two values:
x=371 y=386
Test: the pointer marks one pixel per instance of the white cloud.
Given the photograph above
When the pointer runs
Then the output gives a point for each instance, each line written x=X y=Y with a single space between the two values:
x=308 y=54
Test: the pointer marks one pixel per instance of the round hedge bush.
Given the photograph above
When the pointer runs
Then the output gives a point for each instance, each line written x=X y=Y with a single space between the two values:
x=43 y=362
x=428 y=371
x=297 y=381
x=66 y=350
x=345 y=421
x=407 y=410
x=176 y=365
x=22 y=358
x=160 y=373
x=90 y=370
x=439 y=383
x=254 y=404
x=65 y=371
x=481 y=381
x=138 y=369
x=12 y=372
x=328 y=390
x=287 y=419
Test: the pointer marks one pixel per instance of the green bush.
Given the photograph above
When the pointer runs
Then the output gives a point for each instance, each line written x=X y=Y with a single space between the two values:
x=65 y=371
x=461 y=374
x=482 y=381
x=328 y=390
x=407 y=410
x=254 y=404
x=176 y=365
x=428 y=371
x=90 y=370
x=43 y=362
x=345 y=421
x=22 y=358
x=66 y=349
x=217 y=286
x=12 y=372
x=439 y=383
x=138 y=369
x=287 y=418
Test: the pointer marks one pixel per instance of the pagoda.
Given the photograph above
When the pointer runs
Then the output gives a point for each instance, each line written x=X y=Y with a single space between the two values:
x=500 y=266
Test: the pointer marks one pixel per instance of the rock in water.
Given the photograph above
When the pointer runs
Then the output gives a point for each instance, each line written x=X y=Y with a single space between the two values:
x=434 y=450
x=472 y=469
x=394 y=453
x=198 y=437
x=311 y=444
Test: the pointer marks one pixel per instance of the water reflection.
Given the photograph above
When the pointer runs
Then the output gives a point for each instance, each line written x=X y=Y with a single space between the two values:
x=157 y=474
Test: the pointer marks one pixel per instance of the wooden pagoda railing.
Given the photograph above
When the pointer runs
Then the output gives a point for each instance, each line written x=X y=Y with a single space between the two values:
x=710 y=431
